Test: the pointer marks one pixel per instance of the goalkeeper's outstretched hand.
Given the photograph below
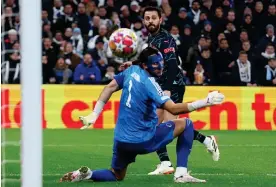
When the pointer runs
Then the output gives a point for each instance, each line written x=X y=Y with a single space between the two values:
x=214 y=98
x=88 y=121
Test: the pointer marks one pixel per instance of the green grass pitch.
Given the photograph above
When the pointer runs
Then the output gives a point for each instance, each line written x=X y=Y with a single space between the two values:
x=248 y=158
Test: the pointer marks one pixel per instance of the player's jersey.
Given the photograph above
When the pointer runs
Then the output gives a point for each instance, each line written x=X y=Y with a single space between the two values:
x=141 y=96
x=165 y=43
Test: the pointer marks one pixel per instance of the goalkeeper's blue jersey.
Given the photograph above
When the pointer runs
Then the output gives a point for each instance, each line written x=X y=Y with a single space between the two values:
x=141 y=96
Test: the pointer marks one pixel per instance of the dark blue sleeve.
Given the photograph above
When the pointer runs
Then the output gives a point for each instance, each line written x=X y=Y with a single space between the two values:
x=168 y=48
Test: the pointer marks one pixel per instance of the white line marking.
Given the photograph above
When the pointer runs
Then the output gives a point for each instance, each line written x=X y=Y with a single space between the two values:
x=110 y=145
x=140 y=174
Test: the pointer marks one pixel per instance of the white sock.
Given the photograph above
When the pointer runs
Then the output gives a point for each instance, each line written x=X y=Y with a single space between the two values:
x=166 y=163
x=207 y=141
x=180 y=171
x=90 y=173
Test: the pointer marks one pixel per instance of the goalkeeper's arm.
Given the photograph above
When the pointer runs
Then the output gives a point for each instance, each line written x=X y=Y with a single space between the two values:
x=104 y=97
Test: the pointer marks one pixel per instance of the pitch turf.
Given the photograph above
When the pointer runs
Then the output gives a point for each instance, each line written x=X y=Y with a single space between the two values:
x=247 y=159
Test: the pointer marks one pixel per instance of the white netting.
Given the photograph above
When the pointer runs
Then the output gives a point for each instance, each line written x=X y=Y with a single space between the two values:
x=9 y=26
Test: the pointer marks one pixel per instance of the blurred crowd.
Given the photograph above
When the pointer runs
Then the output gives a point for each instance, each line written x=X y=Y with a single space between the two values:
x=220 y=42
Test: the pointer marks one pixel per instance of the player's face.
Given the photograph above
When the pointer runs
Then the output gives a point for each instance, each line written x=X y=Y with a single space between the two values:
x=158 y=72
x=152 y=21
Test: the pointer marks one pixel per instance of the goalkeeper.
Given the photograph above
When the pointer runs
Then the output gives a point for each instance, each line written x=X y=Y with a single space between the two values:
x=136 y=130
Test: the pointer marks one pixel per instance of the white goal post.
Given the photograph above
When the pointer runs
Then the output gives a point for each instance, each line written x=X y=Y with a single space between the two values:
x=31 y=75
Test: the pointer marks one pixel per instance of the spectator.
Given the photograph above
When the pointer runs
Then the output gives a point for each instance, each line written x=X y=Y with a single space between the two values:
x=110 y=8
x=134 y=11
x=8 y=19
x=46 y=31
x=265 y=56
x=77 y=42
x=219 y=20
x=58 y=40
x=104 y=19
x=258 y=15
x=125 y=16
x=231 y=17
x=68 y=35
x=195 y=12
x=187 y=41
x=71 y=58
x=11 y=40
x=11 y=69
x=175 y=34
x=99 y=54
x=63 y=75
x=268 y=74
x=110 y=72
x=194 y=51
x=243 y=71
x=268 y=38
x=65 y=20
x=271 y=15
x=246 y=46
x=182 y=19
x=250 y=28
x=223 y=61
x=96 y=22
x=208 y=30
x=87 y=72
x=83 y=19
x=231 y=34
x=47 y=71
x=13 y=5
x=44 y=17
x=102 y=33
x=206 y=61
x=49 y=51
x=57 y=10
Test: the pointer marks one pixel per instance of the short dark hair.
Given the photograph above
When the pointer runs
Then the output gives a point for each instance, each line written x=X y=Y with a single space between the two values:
x=242 y=53
x=143 y=57
x=152 y=8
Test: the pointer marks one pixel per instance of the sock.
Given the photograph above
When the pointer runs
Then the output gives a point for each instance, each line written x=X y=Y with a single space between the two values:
x=180 y=171
x=184 y=144
x=163 y=154
x=103 y=175
x=198 y=136
x=207 y=141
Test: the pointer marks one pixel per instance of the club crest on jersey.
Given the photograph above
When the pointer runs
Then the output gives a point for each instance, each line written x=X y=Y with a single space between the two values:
x=170 y=49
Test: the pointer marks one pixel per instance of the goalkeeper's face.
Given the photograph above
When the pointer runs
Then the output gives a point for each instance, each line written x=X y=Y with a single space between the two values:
x=152 y=21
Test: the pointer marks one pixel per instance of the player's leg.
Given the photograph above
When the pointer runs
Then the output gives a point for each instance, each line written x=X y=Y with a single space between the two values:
x=120 y=160
x=165 y=133
x=165 y=166
x=209 y=141
x=184 y=131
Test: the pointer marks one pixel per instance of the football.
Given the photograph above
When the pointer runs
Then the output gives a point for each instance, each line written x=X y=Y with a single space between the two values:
x=123 y=43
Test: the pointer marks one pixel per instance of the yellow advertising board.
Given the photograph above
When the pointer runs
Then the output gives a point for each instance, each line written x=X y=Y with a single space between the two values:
x=245 y=108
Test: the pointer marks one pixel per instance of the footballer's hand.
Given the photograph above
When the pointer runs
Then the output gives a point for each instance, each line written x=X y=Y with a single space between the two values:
x=88 y=121
x=214 y=98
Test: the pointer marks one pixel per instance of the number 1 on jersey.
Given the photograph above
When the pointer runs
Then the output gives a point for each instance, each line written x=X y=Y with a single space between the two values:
x=129 y=96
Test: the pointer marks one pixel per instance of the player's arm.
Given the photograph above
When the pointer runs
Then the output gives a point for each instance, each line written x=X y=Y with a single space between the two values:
x=162 y=100
x=115 y=85
x=213 y=98
x=168 y=48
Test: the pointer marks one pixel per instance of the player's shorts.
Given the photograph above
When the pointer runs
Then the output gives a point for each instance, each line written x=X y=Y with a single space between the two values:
x=177 y=94
x=125 y=153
